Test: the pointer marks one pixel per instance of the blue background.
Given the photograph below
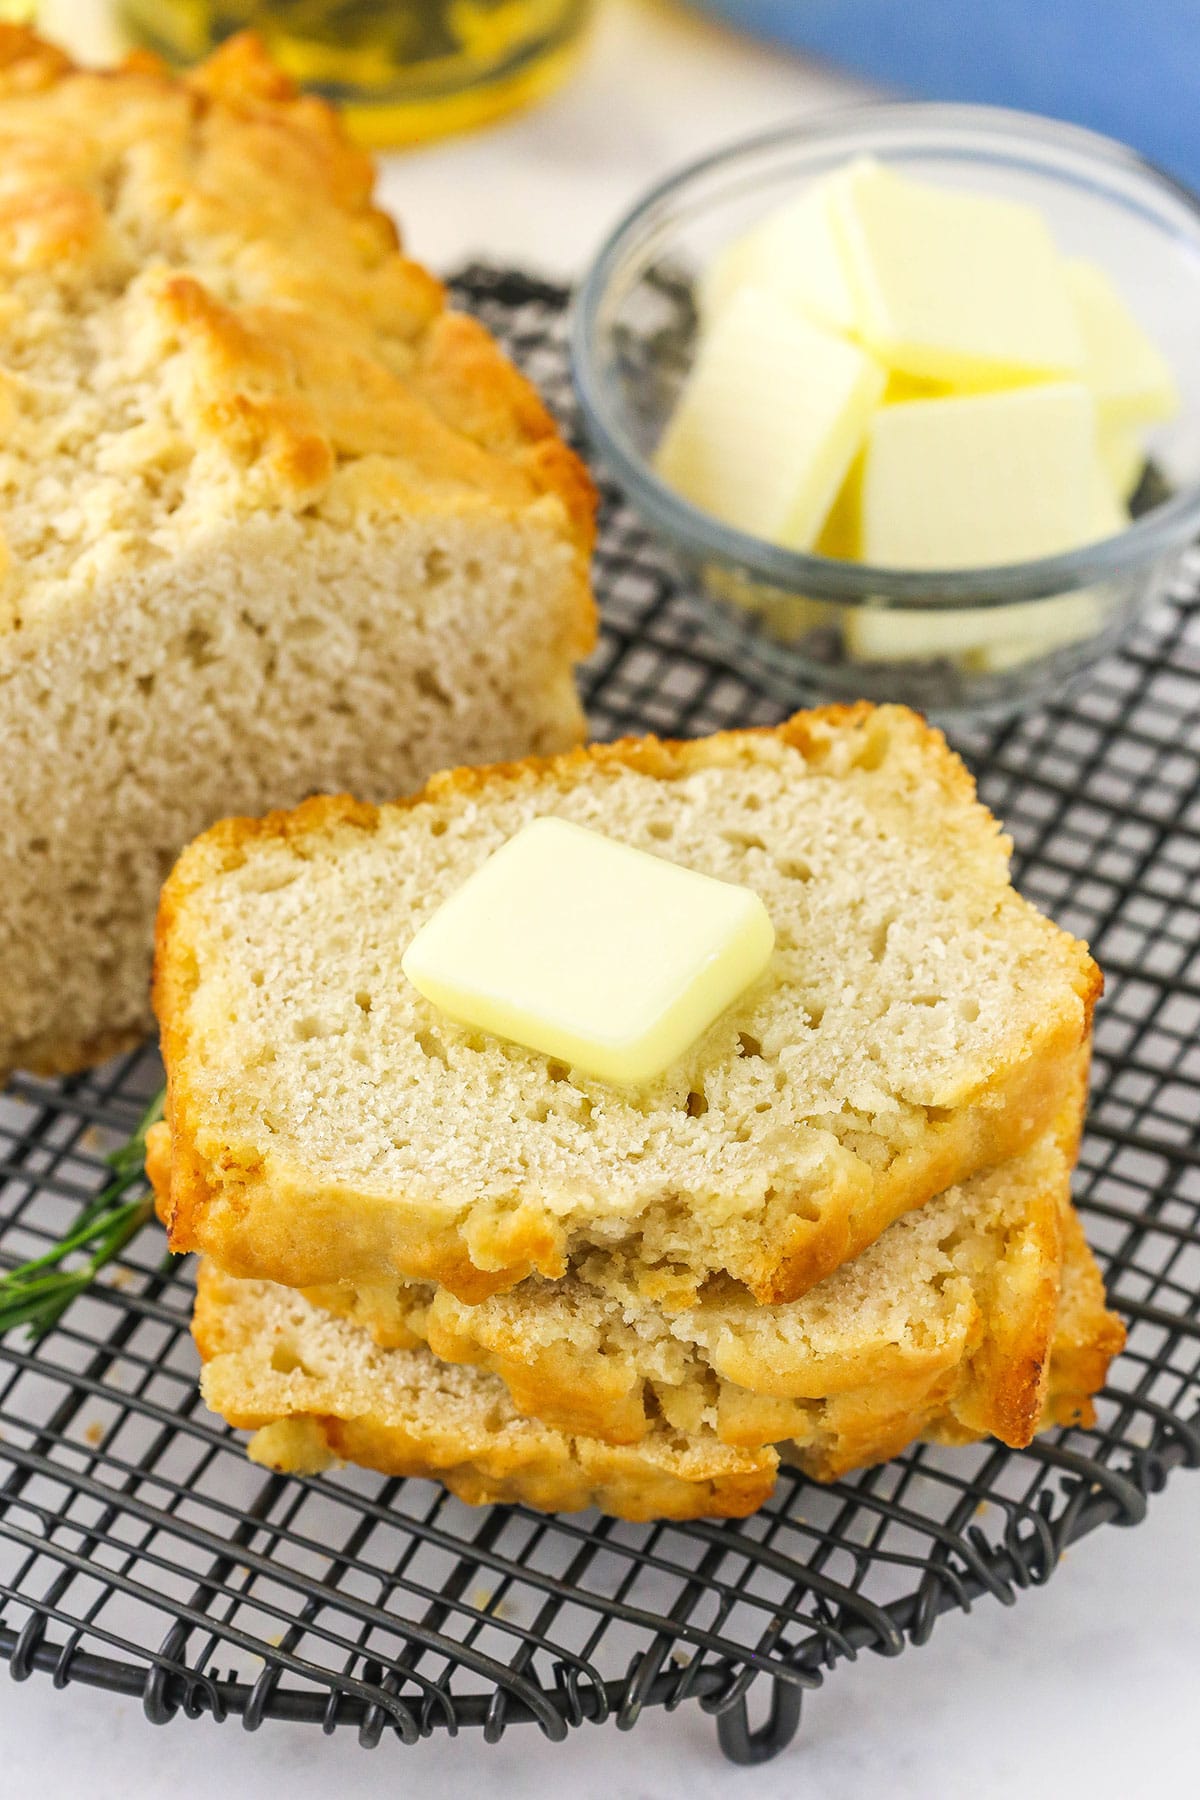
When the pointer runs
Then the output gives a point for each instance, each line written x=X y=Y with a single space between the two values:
x=1131 y=70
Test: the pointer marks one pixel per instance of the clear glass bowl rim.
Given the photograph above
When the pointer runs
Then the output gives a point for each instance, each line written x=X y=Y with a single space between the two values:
x=1158 y=533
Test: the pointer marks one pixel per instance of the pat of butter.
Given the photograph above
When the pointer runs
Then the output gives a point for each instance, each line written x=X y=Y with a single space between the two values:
x=988 y=639
x=795 y=254
x=591 y=951
x=976 y=637
x=1125 y=371
x=841 y=534
x=770 y=420
x=962 y=288
x=980 y=479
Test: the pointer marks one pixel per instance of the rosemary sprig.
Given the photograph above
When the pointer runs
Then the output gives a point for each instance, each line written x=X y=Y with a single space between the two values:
x=37 y=1293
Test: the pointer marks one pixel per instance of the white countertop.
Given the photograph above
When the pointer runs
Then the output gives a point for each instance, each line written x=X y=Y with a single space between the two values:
x=1086 y=1689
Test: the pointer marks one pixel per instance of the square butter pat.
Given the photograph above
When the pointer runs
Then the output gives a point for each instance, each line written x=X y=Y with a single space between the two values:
x=796 y=255
x=770 y=420
x=962 y=288
x=1126 y=371
x=591 y=951
x=980 y=479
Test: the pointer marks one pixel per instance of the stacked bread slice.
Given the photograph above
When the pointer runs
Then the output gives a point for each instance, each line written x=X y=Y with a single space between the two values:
x=839 y=1222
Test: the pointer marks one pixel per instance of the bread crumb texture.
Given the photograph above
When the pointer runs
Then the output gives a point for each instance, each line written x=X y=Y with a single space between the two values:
x=271 y=1356
x=957 y=1300
x=316 y=1390
x=919 y=1021
x=273 y=520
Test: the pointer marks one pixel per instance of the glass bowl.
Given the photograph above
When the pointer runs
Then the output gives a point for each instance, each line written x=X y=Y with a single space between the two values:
x=952 y=642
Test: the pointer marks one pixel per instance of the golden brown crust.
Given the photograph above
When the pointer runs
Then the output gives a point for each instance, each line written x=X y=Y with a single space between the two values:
x=223 y=1204
x=624 y=1484
x=28 y=64
x=1088 y=1337
x=1009 y=1373
x=1085 y=1340
x=296 y=340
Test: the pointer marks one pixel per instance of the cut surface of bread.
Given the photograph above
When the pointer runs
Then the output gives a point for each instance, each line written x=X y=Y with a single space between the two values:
x=325 y=1391
x=918 y=1021
x=273 y=520
x=1086 y=1338
x=315 y=1389
x=958 y=1296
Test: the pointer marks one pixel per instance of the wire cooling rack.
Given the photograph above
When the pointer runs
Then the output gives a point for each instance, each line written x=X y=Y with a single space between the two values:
x=141 y=1552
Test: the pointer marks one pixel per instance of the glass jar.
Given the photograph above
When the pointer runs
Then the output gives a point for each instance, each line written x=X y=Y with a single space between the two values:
x=401 y=71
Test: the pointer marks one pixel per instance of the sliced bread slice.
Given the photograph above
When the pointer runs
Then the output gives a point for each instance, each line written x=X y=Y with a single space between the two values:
x=1087 y=1335
x=315 y=1390
x=959 y=1297
x=918 y=1021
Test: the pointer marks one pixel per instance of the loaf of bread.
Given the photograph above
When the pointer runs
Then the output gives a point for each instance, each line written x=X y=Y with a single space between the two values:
x=273 y=521
x=918 y=1021
x=316 y=1389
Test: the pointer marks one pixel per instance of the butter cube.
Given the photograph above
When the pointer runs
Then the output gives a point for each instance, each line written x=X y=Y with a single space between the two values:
x=770 y=420
x=962 y=288
x=980 y=479
x=841 y=534
x=988 y=639
x=979 y=638
x=1126 y=372
x=591 y=951
x=794 y=254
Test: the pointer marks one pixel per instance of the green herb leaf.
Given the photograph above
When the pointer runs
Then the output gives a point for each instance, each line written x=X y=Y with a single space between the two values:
x=37 y=1293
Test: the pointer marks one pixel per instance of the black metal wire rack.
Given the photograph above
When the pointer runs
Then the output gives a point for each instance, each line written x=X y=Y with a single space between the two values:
x=141 y=1552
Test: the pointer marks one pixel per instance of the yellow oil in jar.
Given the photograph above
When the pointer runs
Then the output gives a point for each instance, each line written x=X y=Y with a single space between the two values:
x=402 y=70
